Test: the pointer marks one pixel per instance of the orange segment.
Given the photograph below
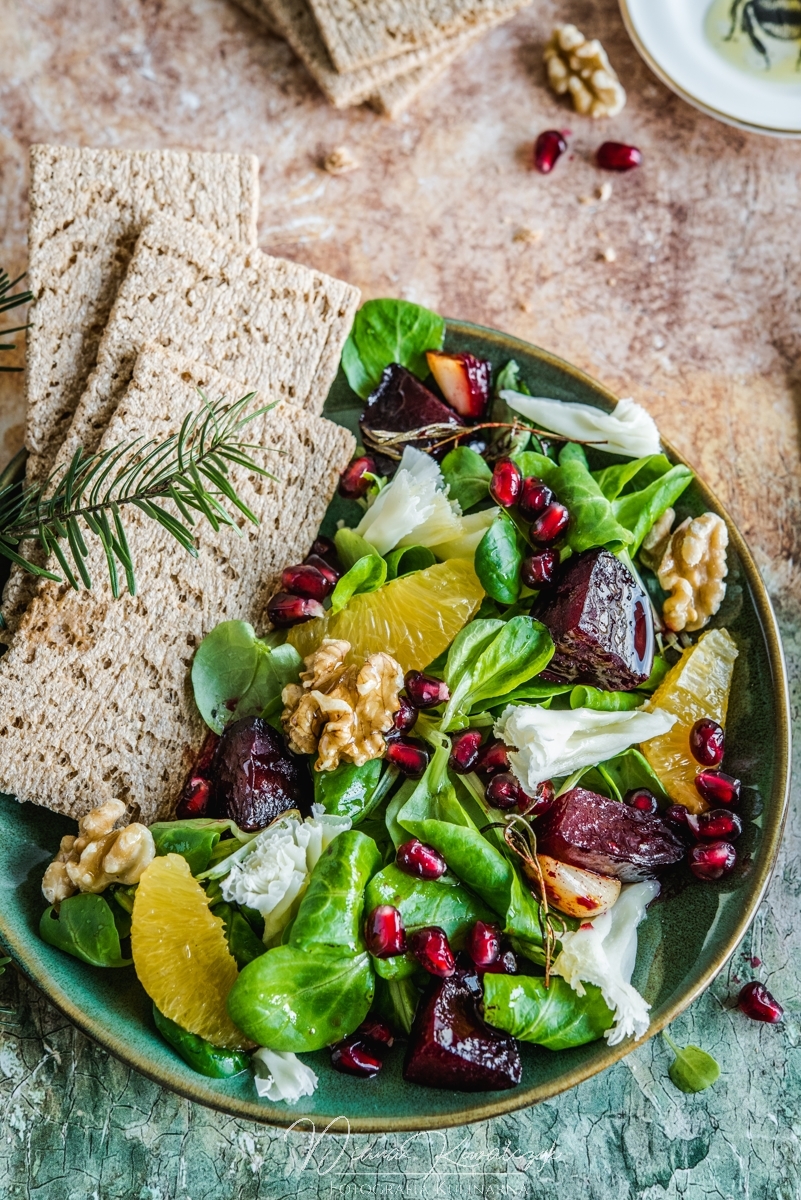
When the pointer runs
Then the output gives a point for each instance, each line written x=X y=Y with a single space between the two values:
x=414 y=618
x=698 y=686
x=180 y=952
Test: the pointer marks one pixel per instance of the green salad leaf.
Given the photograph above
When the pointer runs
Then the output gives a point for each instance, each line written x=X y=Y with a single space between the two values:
x=692 y=1070
x=592 y=518
x=197 y=1053
x=584 y=696
x=367 y=574
x=622 y=774
x=396 y=1002
x=490 y=659
x=330 y=913
x=242 y=941
x=444 y=902
x=197 y=840
x=498 y=560
x=351 y=546
x=348 y=790
x=389 y=331
x=87 y=927
x=235 y=674
x=407 y=559
x=639 y=511
x=555 y=1017
x=508 y=380
x=467 y=476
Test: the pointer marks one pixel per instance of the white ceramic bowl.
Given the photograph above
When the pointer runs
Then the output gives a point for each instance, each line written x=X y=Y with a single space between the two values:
x=687 y=44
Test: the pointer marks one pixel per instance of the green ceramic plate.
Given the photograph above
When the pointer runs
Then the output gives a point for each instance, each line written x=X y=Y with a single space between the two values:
x=685 y=941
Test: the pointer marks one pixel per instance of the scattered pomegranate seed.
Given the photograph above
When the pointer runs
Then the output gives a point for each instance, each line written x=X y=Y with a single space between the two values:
x=506 y=482
x=285 y=610
x=484 y=944
x=711 y=860
x=706 y=742
x=677 y=815
x=306 y=580
x=757 y=1003
x=548 y=147
x=535 y=806
x=643 y=800
x=551 y=522
x=410 y=757
x=539 y=569
x=353 y=481
x=324 y=547
x=505 y=965
x=377 y=1032
x=196 y=792
x=331 y=572
x=384 y=932
x=424 y=691
x=465 y=747
x=422 y=861
x=717 y=824
x=492 y=757
x=406 y=715
x=352 y=1057
x=717 y=787
x=534 y=497
x=431 y=949
x=503 y=791
x=617 y=156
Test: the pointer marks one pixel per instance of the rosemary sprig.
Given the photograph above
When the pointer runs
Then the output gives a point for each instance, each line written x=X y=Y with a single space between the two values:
x=9 y=300
x=89 y=494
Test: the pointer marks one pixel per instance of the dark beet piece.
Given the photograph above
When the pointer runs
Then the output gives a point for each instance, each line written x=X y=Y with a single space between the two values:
x=199 y=784
x=257 y=777
x=608 y=837
x=600 y=621
x=451 y=1047
x=401 y=403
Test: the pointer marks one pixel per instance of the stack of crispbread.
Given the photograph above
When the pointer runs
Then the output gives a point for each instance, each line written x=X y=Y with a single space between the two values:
x=381 y=51
x=95 y=699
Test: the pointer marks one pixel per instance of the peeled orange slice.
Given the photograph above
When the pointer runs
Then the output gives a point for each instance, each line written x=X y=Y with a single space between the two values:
x=698 y=686
x=414 y=618
x=180 y=952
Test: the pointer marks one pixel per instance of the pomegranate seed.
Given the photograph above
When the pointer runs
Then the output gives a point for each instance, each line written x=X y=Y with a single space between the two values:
x=492 y=757
x=331 y=572
x=324 y=547
x=465 y=747
x=539 y=569
x=617 y=156
x=431 y=949
x=549 y=524
x=418 y=859
x=535 y=806
x=678 y=815
x=505 y=965
x=378 y=1032
x=406 y=715
x=196 y=792
x=484 y=944
x=643 y=800
x=548 y=147
x=711 y=860
x=352 y=1057
x=506 y=482
x=285 y=610
x=534 y=497
x=306 y=580
x=384 y=932
x=706 y=742
x=410 y=757
x=757 y=1003
x=716 y=824
x=503 y=791
x=424 y=691
x=717 y=788
x=353 y=481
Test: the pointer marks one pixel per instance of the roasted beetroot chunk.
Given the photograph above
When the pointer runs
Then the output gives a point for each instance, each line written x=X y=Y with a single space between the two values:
x=451 y=1047
x=600 y=621
x=401 y=403
x=257 y=777
x=589 y=831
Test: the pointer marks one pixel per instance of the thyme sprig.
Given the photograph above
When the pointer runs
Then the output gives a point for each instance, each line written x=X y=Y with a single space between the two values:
x=391 y=443
x=87 y=495
x=8 y=300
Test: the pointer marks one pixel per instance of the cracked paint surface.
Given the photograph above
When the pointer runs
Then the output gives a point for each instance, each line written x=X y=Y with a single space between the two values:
x=697 y=317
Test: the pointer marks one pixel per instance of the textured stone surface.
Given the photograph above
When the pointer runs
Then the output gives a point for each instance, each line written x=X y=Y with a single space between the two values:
x=698 y=317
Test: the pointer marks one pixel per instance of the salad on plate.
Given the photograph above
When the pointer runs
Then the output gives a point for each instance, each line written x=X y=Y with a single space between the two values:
x=440 y=788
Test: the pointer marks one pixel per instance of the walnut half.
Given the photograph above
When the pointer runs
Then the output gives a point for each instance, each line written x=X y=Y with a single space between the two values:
x=693 y=570
x=339 y=711
x=579 y=65
x=99 y=855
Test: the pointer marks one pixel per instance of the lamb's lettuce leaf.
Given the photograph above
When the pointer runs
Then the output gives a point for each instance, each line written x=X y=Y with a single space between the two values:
x=467 y=476
x=555 y=1017
x=88 y=927
x=366 y=575
x=498 y=560
x=389 y=331
x=235 y=674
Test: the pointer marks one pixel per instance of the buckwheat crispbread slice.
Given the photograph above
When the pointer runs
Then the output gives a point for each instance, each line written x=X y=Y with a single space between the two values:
x=87 y=208
x=394 y=97
x=361 y=33
x=95 y=694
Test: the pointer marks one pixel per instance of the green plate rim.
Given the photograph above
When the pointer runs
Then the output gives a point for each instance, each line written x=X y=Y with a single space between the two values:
x=776 y=812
